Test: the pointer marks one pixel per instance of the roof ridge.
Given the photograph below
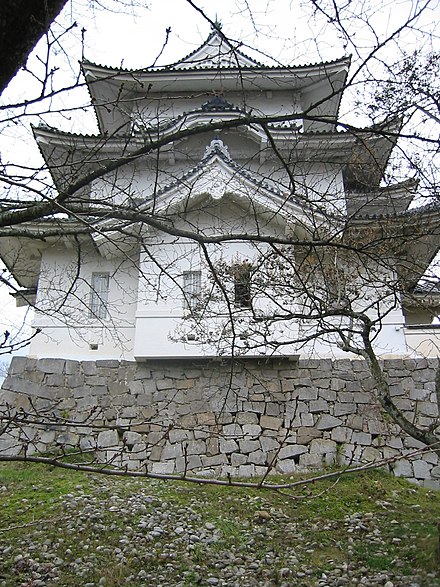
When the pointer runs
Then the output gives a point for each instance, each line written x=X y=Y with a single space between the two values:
x=223 y=40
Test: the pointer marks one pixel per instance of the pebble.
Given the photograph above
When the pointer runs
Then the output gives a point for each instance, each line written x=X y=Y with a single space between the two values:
x=157 y=532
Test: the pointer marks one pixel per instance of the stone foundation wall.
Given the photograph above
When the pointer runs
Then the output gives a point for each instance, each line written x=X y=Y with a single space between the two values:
x=220 y=417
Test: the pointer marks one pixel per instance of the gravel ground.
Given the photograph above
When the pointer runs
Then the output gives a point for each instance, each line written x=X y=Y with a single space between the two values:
x=109 y=537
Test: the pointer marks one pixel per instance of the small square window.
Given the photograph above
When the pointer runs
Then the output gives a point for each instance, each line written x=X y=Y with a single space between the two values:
x=99 y=291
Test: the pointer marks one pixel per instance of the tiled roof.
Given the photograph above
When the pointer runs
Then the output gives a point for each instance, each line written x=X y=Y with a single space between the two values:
x=209 y=56
x=427 y=288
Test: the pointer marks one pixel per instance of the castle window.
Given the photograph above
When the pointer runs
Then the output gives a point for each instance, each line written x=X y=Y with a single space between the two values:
x=100 y=286
x=192 y=289
x=242 y=285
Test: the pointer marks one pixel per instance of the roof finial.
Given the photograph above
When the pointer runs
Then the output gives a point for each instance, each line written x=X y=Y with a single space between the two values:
x=217 y=24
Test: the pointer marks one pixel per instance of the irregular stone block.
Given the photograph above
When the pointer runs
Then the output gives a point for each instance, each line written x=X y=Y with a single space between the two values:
x=212 y=446
x=307 y=420
x=422 y=470
x=134 y=387
x=163 y=468
x=337 y=384
x=319 y=405
x=227 y=446
x=300 y=408
x=344 y=409
x=251 y=430
x=163 y=384
x=271 y=422
x=214 y=461
x=310 y=461
x=238 y=459
x=247 y=418
x=188 y=463
x=305 y=435
x=362 y=438
x=321 y=446
x=196 y=447
x=89 y=367
x=419 y=394
x=431 y=484
x=18 y=365
x=287 y=385
x=396 y=390
x=355 y=422
x=206 y=419
x=67 y=439
x=327 y=394
x=131 y=438
x=51 y=365
x=377 y=427
x=108 y=438
x=178 y=435
x=306 y=393
x=247 y=446
x=108 y=363
x=427 y=409
x=430 y=457
x=327 y=422
x=435 y=472
x=341 y=434
x=346 y=397
x=403 y=468
x=257 y=407
x=268 y=443
x=10 y=446
x=246 y=470
x=188 y=421
x=87 y=443
x=172 y=451
x=47 y=437
x=257 y=458
x=232 y=430
x=371 y=454
x=293 y=450
x=256 y=397
x=286 y=467
x=273 y=409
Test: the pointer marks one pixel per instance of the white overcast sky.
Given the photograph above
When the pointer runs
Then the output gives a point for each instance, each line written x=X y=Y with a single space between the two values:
x=133 y=36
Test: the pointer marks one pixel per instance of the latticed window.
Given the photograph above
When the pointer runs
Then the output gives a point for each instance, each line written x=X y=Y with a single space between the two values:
x=192 y=289
x=100 y=286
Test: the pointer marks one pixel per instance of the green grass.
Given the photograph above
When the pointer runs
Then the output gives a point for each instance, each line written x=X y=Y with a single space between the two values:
x=317 y=523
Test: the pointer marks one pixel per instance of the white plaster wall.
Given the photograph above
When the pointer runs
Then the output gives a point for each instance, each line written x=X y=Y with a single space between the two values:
x=147 y=319
x=161 y=327
x=63 y=303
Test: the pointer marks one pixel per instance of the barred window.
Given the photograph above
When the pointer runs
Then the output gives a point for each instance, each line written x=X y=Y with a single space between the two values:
x=192 y=289
x=100 y=286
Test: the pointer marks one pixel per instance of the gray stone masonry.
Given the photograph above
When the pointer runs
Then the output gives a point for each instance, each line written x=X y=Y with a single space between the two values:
x=220 y=417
